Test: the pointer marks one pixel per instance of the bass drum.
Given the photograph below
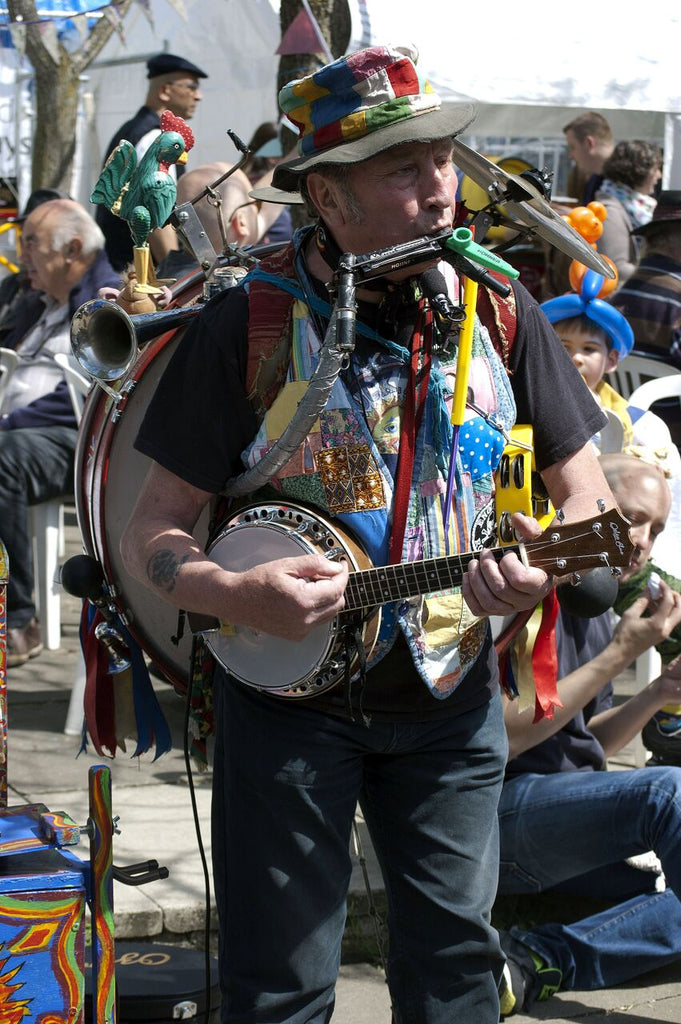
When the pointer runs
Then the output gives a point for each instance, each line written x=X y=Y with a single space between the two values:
x=109 y=473
x=109 y=476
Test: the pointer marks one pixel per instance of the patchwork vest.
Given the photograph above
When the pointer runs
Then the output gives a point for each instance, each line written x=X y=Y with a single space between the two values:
x=345 y=466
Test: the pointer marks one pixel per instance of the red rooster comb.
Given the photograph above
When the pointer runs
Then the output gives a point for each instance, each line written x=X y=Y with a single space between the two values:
x=171 y=123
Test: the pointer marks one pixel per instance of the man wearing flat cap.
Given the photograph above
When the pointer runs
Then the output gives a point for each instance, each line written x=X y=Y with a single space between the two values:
x=173 y=84
x=400 y=710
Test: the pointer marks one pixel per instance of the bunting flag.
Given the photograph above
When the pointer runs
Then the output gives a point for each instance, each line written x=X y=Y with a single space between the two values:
x=179 y=8
x=119 y=705
x=302 y=36
x=113 y=17
x=17 y=32
x=48 y=34
x=146 y=7
x=78 y=17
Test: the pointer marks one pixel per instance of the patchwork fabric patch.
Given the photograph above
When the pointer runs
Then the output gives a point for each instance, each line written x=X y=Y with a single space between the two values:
x=480 y=447
x=351 y=480
x=470 y=643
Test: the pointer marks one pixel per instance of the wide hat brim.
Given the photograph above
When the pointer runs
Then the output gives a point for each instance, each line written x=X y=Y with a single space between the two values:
x=267 y=194
x=434 y=124
x=645 y=228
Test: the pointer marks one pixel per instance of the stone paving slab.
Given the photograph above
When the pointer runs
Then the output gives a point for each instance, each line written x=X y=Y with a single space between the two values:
x=362 y=997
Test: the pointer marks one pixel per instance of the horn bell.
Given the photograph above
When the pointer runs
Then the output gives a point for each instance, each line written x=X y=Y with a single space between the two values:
x=103 y=339
x=106 y=340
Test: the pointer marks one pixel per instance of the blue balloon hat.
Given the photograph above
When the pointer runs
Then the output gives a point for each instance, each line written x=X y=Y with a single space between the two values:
x=609 y=319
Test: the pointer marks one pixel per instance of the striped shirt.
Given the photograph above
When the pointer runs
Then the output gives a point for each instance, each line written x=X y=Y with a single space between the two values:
x=651 y=301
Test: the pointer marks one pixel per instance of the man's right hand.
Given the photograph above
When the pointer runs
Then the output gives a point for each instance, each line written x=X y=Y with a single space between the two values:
x=290 y=596
x=637 y=631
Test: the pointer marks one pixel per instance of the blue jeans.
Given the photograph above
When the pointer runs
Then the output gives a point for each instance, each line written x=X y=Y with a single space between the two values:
x=573 y=830
x=286 y=784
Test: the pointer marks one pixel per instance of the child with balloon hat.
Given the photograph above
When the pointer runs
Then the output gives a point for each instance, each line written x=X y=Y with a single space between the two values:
x=597 y=337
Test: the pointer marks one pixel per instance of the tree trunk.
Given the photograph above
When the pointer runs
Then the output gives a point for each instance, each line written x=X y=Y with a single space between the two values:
x=56 y=92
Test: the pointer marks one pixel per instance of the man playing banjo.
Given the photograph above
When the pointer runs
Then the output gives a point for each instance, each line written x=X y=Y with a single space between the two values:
x=413 y=729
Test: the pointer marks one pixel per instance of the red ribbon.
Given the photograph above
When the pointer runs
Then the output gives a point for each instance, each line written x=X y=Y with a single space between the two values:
x=414 y=404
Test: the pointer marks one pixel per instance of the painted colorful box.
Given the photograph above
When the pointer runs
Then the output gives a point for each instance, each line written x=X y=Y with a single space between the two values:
x=42 y=924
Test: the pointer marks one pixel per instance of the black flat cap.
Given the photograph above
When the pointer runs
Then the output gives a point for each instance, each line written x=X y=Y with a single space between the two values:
x=164 y=63
x=36 y=198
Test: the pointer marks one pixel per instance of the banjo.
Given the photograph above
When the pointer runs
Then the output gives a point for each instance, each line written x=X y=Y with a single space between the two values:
x=271 y=530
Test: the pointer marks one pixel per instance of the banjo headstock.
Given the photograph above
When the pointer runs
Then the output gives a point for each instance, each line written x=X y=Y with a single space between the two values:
x=566 y=548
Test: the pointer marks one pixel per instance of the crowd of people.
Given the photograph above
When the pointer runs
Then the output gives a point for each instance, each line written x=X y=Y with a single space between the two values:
x=466 y=793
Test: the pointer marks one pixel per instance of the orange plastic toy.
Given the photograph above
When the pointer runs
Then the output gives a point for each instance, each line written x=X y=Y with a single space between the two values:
x=588 y=222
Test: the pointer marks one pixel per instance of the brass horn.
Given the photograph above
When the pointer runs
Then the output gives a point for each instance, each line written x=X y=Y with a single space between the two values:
x=106 y=340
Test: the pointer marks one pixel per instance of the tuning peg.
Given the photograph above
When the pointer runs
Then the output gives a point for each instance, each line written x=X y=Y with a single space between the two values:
x=560 y=515
x=601 y=504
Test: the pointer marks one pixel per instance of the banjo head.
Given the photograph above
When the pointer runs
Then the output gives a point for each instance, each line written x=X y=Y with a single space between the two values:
x=291 y=668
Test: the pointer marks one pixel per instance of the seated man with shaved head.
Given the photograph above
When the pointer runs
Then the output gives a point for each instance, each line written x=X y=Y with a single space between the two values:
x=568 y=823
x=227 y=214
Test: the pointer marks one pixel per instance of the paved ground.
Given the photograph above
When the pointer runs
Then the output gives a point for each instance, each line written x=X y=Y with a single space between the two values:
x=152 y=800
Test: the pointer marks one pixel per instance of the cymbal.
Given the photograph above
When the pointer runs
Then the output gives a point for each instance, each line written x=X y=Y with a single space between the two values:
x=523 y=201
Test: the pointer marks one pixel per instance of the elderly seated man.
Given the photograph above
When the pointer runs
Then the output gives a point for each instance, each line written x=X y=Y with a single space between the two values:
x=63 y=253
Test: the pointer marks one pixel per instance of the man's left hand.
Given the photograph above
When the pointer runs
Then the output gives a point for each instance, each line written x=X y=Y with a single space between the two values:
x=508 y=586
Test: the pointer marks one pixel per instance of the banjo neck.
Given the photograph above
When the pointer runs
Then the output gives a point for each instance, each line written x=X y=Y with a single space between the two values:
x=370 y=587
x=561 y=550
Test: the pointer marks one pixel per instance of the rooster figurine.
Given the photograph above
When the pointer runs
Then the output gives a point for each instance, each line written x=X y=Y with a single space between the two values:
x=143 y=192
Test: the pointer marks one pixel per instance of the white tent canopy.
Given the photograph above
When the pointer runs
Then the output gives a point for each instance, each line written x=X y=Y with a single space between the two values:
x=504 y=54
x=530 y=74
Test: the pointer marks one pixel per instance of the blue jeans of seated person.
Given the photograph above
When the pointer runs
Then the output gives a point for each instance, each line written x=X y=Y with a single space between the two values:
x=577 y=828
x=35 y=465
x=286 y=782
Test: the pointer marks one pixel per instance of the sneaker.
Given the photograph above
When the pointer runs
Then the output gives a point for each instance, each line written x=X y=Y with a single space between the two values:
x=24 y=642
x=662 y=737
x=526 y=978
x=511 y=990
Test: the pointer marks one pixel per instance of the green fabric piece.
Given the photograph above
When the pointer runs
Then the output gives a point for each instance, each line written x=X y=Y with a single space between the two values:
x=630 y=589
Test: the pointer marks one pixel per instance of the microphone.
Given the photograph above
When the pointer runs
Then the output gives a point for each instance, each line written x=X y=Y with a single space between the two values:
x=434 y=288
x=592 y=596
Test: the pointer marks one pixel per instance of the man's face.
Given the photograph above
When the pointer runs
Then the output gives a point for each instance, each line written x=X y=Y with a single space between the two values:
x=580 y=151
x=181 y=94
x=589 y=354
x=645 y=500
x=46 y=268
x=399 y=195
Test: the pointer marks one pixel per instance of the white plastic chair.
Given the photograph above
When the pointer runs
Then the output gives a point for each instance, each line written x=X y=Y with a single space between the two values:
x=76 y=381
x=8 y=360
x=47 y=522
x=635 y=370
x=656 y=389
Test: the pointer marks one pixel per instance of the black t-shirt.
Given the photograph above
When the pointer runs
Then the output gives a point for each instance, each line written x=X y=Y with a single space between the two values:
x=573 y=748
x=200 y=421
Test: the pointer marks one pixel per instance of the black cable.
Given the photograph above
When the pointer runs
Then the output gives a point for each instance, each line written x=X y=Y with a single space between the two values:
x=199 y=839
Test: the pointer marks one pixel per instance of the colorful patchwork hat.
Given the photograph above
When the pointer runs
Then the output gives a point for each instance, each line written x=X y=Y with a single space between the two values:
x=361 y=105
x=605 y=316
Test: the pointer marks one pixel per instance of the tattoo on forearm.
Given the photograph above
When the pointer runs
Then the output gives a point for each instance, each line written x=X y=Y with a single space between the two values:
x=163 y=569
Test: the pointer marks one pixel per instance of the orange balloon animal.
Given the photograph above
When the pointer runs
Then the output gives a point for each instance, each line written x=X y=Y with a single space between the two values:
x=588 y=222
